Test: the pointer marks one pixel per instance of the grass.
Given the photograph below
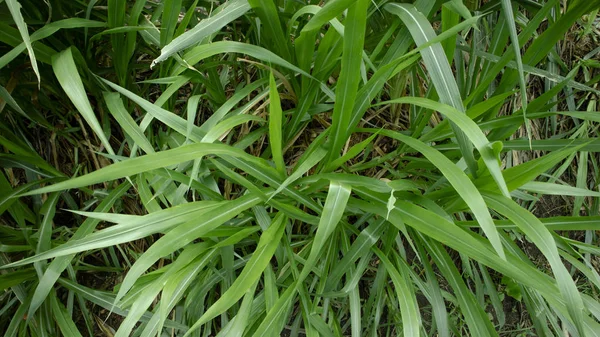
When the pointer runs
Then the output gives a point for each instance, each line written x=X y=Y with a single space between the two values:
x=281 y=168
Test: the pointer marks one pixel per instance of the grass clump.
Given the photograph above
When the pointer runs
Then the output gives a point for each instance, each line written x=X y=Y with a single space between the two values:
x=267 y=168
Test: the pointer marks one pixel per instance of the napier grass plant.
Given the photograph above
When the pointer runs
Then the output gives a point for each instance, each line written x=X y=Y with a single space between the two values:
x=299 y=168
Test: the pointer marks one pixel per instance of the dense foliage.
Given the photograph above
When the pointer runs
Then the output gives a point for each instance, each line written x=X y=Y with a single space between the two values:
x=299 y=168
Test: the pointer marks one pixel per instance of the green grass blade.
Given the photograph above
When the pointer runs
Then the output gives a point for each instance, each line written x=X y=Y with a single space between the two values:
x=558 y=189
x=15 y=278
x=168 y=118
x=514 y=39
x=275 y=126
x=590 y=145
x=441 y=131
x=238 y=324
x=222 y=128
x=15 y=10
x=542 y=44
x=459 y=180
x=363 y=243
x=267 y=11
x=116 y=18
x=439 y=69
x=170 y=16
x=272 y=324
x=184 y=234
x=192 y=110
x=310 y=161
x=48 y=211
x=375 y=84
x=117 y=109
x=68 y=76
x=59 y=264
x=230 y=11
x=11 y=36
x=268 y=175
x=46 y=31
x=333 y=211
x=520 y=175
x=469 y=129
x=139 y=227
x=104 y=299
x=331 y=10
x=147 y=163
x=63 y=319
x=347 y=87
x=411 y=318
x=170 y=296
x=439 y=308
x=542 y=238
x=351 y=153
x=450 y=18
x=231 y=103
x=196 y=54
x=269 y=241
x=477 y=319
x=445 y=232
